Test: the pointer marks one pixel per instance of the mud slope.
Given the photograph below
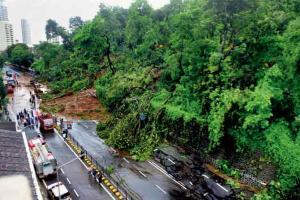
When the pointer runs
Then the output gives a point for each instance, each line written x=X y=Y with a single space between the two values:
x=82 y=105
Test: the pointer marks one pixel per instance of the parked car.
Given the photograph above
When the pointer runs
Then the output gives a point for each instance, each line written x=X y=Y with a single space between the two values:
x=58 y=189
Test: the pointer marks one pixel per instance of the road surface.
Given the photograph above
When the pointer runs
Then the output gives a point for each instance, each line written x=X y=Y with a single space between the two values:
x=142 y=177
x=74 y=175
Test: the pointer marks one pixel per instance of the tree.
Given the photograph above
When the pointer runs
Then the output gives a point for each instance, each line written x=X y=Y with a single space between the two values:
x=139 y=22
x=2 y=92
x=2 y=60
x=20 y=54
x=75 y=23
x=53 y=30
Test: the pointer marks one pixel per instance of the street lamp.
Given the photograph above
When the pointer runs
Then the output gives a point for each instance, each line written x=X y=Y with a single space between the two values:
x=59 y=167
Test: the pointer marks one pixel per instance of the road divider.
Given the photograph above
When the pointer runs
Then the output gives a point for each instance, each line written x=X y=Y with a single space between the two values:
x=107 y=182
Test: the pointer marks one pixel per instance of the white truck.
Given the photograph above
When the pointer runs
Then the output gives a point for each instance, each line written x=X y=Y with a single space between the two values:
x=44 y=162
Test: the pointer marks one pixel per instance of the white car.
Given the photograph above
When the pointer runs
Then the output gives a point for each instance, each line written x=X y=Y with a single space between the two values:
x=58 y=188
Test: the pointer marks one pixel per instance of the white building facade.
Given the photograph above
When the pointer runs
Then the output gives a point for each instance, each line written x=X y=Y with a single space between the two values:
x=26 y=33
x=6 y=29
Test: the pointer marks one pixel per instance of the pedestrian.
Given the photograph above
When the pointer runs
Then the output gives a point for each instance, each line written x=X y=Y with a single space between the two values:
x=28 y=122
x=31 y=113
x=94 y=172
x=25 y=111
x=99 y=177
x=89 y=172
x=31 y=122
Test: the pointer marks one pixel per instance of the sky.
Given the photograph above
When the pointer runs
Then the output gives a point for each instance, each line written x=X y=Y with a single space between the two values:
x=37 y=12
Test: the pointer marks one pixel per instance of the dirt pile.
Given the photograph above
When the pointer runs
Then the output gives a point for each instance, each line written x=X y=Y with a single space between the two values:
x=82 y=105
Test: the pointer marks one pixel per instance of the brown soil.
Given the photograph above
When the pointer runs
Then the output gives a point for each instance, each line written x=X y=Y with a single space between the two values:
x=82 y=105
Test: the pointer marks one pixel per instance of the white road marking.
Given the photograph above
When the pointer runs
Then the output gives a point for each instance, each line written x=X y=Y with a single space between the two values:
x=82 y=163
x=69 y=181
x=70 y=148
x=205 y=176
x=168 y=175
x=107 y=191
x=191 y=183
x=161 y=189
x=62 y=171
x=126 y=160
x=222 y=187
x=44 y=183
x=142 y=174
x=76 y=193
x=171 y=161
x=85 y=126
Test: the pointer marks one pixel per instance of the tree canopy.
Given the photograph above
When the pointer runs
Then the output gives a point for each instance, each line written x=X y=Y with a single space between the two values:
x=20 y=54
x=199 y=70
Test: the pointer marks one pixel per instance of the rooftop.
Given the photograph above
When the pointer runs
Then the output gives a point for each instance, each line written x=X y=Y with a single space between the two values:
x=13 y=157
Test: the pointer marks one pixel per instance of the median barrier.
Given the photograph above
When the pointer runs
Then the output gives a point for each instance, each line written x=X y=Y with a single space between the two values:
x=111 y=181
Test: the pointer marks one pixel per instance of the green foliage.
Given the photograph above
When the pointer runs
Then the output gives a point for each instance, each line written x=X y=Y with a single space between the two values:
x=110 y=169
x=196 y=70
x=111 y=90
x=223 y=165
x=221 y=104
x=2 y=92
x=19 y=54
x=80 y=85
x=101 y=130
x=2 y=60
x=285 y=152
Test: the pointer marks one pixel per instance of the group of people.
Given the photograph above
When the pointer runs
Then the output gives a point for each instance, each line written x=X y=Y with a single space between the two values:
x=28 y=118
x=96 y=175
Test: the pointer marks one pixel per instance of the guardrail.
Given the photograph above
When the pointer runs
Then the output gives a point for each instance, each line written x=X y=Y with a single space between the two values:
x=115 y=180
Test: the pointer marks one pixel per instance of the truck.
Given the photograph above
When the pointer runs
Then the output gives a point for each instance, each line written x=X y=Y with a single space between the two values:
x=43 y=160
x=46 y=122
x=10 y=89
x=57 y=189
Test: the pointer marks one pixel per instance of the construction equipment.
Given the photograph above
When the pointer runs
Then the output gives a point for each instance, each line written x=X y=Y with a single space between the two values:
x=44 y=162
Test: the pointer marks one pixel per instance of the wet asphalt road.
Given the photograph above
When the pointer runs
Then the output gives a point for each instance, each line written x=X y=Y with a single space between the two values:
x=74 y=175
x=143 y=178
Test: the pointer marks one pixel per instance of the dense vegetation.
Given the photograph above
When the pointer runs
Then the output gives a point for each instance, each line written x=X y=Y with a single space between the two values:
x=19 y=55
x=192 y=73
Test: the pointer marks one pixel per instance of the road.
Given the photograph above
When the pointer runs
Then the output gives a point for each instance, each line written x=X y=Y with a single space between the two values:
x=74 y=175
x=145 y=178
x=142 y=177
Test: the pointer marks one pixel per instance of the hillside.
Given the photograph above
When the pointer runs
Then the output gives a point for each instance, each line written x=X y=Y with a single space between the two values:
x=218 y=77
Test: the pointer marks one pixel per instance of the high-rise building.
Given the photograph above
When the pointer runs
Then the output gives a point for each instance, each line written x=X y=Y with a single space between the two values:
x=26 y=34
x=6 y=35
x=6 y=29
x=3 y=11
